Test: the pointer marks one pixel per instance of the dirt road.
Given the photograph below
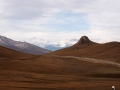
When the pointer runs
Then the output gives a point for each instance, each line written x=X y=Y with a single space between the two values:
x=91 y=60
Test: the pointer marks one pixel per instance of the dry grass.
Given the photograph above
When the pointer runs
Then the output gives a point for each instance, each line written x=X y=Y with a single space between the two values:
x=52 y=73
x=32 y=72
x=107 y=51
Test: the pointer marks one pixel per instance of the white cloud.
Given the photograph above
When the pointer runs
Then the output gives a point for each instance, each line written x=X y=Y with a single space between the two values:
x=60 y=39
x=25 y=19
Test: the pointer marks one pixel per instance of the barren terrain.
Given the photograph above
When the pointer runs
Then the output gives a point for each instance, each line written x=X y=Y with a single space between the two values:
x=64 y=69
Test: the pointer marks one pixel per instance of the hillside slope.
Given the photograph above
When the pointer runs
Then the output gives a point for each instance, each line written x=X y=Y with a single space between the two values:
x=57 y=73
x=86 y=48
x=8 y=54
x=20 y=71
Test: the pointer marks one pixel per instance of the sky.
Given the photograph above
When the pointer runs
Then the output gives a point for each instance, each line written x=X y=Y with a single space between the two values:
x=60 y=22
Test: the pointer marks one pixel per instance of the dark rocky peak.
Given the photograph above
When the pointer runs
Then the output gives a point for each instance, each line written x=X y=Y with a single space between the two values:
x=83 y=40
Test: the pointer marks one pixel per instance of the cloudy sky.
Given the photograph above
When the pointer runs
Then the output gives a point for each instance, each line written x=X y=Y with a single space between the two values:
x=60 y=22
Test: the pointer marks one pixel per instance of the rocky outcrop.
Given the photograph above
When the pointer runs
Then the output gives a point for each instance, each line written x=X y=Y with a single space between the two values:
x=84 y=40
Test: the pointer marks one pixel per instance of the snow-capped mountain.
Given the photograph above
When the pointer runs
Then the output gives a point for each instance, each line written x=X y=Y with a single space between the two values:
x=22 y=46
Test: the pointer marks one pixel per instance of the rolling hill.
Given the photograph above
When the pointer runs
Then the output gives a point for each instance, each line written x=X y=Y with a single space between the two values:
x=87 y=48
x=57 y=71
x=8 y=54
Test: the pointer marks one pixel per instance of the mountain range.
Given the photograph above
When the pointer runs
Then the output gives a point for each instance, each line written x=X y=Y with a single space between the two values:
x=22 y=46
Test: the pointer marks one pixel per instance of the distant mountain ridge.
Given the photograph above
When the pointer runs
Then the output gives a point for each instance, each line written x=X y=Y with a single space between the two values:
x=22 y=46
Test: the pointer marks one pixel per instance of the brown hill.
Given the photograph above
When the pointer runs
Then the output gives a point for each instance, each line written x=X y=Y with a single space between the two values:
x=86 y=48
x=55 y=73
x=48 y=72
x=6 y=53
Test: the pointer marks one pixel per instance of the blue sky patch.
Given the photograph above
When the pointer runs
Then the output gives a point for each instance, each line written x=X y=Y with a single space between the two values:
x=68 y=22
